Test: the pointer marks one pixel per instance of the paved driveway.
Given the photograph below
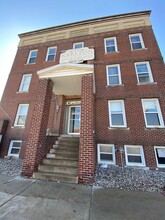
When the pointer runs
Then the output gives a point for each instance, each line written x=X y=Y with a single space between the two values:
x=25 y=199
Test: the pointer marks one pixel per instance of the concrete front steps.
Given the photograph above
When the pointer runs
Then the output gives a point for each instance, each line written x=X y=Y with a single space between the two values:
x=61 y=163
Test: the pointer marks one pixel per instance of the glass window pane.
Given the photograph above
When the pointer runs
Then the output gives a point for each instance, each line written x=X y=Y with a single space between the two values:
x=135 y=38
x=116 y=106
x=160 y=152
x=111 y=49
x=110 y=42
x=33 y=54
x=136 y=46
x=106 y=157
x=25 y=87
x=150 y=106
x=117 y=119
x=113 y=80
x=51 y=57
x=106 y=149
x=133 y=150
x=142 y=68
x=15 y=151
x=16 y=144
x=27 y=79
x=32 y=60
x=21 y=120
x=23 y=110
x=112 y=70
x=152 y=119
x=144 y=78
x=52 y=51
x=134 y=159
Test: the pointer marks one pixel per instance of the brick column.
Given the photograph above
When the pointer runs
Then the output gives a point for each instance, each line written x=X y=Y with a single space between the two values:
x=87 y=143
x=36 y=145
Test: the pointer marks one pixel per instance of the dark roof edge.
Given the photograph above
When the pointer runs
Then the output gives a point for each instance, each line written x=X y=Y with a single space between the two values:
x=90 y=21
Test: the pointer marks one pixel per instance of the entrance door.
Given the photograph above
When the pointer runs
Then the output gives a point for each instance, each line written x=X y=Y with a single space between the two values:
x=74 y=119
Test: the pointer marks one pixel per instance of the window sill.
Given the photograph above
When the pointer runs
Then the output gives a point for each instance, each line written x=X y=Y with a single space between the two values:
x=154 y=128
x=22 y=92
x=105 y=53
x=118 y=128
x=117 y=85
x=17 y=126
x=139 y=49
x=147 y=83
x=29 y=63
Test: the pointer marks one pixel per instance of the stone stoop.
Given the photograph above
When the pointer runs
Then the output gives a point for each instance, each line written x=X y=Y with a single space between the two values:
x=61 y=163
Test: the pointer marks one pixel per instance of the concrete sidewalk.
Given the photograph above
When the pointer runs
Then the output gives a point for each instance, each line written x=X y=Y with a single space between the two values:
x=26 y=199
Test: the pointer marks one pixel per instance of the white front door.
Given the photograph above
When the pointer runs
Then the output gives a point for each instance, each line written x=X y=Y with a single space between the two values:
x=74 y=119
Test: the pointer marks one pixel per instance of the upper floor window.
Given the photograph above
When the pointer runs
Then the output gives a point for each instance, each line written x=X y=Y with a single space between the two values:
x=110 y=45
x=21 y=115
x=152 y=113
x=143 y=71
x=117 y=113
x=14 y=148
x=113 y=75
x=25 y=83
x=136 y=41
x=32 y=56
x=51 y=54
x=78 y=45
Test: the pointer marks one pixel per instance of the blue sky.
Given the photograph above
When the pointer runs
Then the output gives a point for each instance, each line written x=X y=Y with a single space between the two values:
x=19 y=16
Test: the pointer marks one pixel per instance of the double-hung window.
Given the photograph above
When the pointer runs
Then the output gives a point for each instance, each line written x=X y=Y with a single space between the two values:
x=134 y=155
x=106 y=153
x=152 y=113
x=117 y=116
x=78 y=45
x=110 y=45
x=136 y=41
x=25 y=83
x=32 y=56
x=14 y=148
x=21 y=115
x=51 y=54
x=143 y=72
x=113 y=75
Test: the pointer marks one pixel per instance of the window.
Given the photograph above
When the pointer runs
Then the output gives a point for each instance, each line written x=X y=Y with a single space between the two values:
x=113 y=75
x=25 y=83
x=136 y=41
x=152 y=113
x=160 y=155
x=21 y=115
x=110 y=45
x=134 y=155
x=51 y=54
x=143 y=72
x=78 y=45
x=32 y=56
x=14 y=148
x=106 y=153
x=117 y=113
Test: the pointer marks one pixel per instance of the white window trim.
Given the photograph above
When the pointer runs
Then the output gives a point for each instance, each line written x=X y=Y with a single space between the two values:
x=158 y=111
x=16 y=119
x=141 y=41
x=113 y=153
x=115 y=41
x=159 y=165
x=119 y=74
x=74 y=44
x=149 y=72
x=11 y=147
x=31 y=57
x=123 y=111
x=47 y=54
x=143 y=164
x=22 y=83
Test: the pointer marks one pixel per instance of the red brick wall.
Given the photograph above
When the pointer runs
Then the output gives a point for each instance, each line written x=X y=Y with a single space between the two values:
x=36 y=144
x=87 y=143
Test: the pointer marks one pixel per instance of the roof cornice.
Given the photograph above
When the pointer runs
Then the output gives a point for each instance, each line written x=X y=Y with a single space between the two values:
x=85 y=22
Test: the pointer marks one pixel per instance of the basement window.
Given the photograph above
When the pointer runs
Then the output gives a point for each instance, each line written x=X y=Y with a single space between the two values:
x=134 y=155
x=160 y=156
x=106 y=153
x=14 y=148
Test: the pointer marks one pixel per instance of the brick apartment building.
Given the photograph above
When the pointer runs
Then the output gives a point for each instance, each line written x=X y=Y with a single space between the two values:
x=85 y=93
